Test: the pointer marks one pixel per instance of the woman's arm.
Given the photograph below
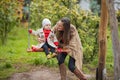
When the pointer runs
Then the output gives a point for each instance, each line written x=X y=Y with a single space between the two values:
x=40 y=40
x=63 y=50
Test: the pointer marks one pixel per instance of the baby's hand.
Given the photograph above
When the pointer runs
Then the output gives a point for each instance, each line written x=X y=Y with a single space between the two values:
x=30 y=30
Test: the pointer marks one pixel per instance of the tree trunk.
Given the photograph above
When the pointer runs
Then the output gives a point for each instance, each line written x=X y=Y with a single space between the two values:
x=102 y=41
x=4 y=35
x=115 y=39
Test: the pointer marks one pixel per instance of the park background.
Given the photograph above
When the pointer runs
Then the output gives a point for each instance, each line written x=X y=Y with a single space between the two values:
x=15 y=38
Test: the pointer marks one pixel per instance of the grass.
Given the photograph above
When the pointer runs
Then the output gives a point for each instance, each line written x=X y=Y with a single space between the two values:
x=14 y=58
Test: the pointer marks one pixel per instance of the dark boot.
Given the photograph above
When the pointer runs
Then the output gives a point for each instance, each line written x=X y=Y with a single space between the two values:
x=62 y=68
x=79 y=74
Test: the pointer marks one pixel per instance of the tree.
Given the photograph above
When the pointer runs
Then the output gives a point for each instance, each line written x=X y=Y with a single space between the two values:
x=102 y=41
x=7 y=18
x=115 y=38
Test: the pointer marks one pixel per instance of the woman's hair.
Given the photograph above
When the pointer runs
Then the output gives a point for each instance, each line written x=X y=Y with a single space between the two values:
x=66 y=32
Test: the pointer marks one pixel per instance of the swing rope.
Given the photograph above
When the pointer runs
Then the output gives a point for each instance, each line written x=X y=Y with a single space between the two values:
x=27 y=15
x=28 y=33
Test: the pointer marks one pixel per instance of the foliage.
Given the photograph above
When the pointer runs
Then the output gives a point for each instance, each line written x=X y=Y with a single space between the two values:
x=16 y=58
x=89 y=36
x=7 y=18
x=118 y=15
x=85 y=22
x=13 y=56
x=95 y=7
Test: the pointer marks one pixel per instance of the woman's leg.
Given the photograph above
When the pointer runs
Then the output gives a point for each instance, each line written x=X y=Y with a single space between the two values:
x=72 y=68
x=61 y=58
x=71 y=64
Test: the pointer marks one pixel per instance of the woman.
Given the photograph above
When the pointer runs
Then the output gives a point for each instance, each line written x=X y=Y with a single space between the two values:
x=68 y=38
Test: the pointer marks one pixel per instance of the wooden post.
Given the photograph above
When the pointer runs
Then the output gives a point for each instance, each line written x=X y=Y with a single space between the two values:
x=102 y=41
x=19 y=10
x=115 y=38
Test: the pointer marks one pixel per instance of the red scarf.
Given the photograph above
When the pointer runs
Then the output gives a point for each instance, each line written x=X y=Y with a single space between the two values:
x=46 y=32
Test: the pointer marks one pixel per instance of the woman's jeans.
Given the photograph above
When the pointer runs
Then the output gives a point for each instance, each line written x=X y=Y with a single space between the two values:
x=71 y=64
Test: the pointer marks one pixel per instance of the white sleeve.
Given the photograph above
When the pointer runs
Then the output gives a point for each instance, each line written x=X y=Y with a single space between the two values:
x=35 y=32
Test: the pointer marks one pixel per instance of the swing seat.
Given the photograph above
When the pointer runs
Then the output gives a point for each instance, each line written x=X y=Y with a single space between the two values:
x=37 y=50
x=41 y=50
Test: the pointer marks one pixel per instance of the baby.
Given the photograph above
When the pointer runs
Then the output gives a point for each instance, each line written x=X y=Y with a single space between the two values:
x=47 y=39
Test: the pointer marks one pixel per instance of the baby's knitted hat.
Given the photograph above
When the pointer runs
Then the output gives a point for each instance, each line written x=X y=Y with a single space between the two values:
x=45 y=22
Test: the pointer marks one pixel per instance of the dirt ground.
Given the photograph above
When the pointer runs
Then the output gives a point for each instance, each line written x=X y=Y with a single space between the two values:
x=46 y=73
x=36 y=75
x=42 y=73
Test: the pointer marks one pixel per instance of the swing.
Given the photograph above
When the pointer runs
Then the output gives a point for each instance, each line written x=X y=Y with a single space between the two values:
x=27 y=2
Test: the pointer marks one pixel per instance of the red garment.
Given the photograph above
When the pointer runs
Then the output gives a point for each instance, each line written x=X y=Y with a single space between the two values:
x=56 y=43
x=46 y=32
x=30 y=31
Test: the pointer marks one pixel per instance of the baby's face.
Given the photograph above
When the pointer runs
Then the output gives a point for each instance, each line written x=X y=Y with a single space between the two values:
x=47 y=27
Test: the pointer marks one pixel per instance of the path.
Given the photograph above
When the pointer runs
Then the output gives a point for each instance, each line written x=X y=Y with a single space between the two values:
x=45 y=73
x=40 y=74
x=36 y=75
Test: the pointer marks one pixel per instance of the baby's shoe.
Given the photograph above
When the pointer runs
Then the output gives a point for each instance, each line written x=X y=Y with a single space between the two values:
x=54 y=55
x=49 y=56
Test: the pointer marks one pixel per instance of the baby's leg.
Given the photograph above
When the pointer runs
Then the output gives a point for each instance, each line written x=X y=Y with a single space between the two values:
x=45 y=48
x=52 y=49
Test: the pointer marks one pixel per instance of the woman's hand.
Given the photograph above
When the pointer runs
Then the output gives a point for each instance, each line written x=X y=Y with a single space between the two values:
x=66 y=50
x=52 y=38
x=54 y=28
x=41 y=40
x=63 y=50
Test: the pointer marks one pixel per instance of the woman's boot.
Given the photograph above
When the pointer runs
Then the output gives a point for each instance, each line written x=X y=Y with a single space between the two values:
x=79 y=74
x=62 y=68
